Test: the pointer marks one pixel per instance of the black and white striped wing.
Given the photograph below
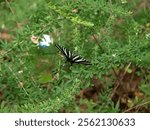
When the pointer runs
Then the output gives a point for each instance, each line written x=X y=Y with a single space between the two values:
x=64 y=51
x=80 y=60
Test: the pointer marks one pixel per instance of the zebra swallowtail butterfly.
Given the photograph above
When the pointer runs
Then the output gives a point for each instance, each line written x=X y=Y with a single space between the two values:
x=72 y=58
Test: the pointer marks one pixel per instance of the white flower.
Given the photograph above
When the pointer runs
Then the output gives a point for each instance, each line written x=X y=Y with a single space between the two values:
x=114 y=55
x=148 y=36
x=124 y=1
x=46 y=41
x=20 y=71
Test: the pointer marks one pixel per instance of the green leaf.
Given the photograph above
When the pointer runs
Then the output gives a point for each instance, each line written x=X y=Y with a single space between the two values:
x=45 y=78
x=145 y=88
x=129 y=70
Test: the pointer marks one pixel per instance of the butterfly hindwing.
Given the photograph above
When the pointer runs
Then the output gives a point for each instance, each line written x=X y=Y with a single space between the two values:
x=79 y=59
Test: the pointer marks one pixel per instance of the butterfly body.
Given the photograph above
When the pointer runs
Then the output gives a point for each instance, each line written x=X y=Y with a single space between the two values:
x=71 y=57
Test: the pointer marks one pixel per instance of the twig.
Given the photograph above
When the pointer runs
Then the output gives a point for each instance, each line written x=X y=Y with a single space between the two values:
x=120 y=80
x=137 y=106
x=114 y=72
x=97 y=42
x=12 y=11
x=18 y=81
x=10 y=49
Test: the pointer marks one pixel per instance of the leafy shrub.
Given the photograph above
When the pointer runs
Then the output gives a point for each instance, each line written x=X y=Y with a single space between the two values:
x=109 y=34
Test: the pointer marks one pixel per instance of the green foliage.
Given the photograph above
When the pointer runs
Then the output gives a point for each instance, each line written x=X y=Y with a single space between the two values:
x=38 y=79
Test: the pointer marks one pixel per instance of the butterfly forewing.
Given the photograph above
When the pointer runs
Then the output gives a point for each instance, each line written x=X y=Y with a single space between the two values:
x=63 y=50
x=68 y=53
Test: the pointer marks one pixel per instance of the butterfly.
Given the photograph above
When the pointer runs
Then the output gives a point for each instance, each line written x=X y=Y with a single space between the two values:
x=44 y=42
x=71 y=57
